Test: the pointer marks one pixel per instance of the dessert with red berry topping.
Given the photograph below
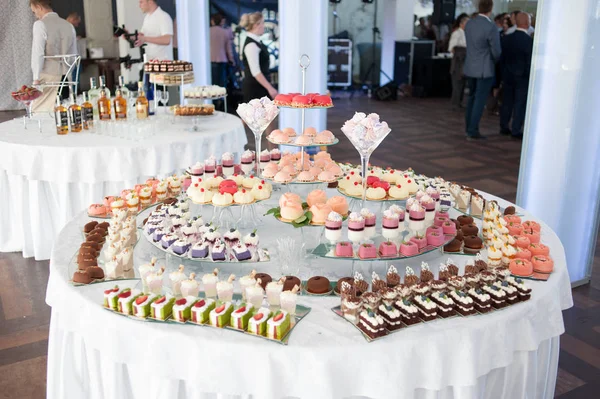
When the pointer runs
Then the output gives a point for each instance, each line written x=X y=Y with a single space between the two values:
x=111 y=297
x=257 y=324
x=220 y=316
x=278 y=325
x=182 y=308
x=241 y=315
x=162 y=308
x=141 y=305
x=200 y=311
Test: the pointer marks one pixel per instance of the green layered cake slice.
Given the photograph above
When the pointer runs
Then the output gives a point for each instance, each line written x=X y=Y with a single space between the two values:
x=162 y=308
x=126 y=299
x=278 y=325
x=221 y=314
x=182 y=308
x=258 y=323
x=141 y=305
x=111 y=297
x=200 y=310
x=241 y=315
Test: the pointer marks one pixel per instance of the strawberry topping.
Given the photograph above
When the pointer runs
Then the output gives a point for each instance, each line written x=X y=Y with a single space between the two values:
x=141 y=299
x=181 y=301
x=220 y=309
x=200 y=303
x=241 y=310
x=278 y=317
x=258 y=316
x=161 y=300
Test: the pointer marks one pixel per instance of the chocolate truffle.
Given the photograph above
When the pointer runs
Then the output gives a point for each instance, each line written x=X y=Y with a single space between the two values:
x=510 y=210
x=470 y=229
x=82 y=277
x=104 y=225
x=473 y=244
x=464 y=219
x=264 y=279
x=170 y=201
x=318 y=285
x=91 y=244
x=290 y=282
x=95 y=238
x=453 y=246
x=90 y=226
x=95 y=272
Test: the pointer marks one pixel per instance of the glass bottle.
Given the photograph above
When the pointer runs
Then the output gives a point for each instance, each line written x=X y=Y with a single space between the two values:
x=75 y=115
x=87 y=111
x=94 y=94
x=61 y=117
x=141 y=104
x=120 y=105
x=124 y=89
x=104 y=107
x=103 y=86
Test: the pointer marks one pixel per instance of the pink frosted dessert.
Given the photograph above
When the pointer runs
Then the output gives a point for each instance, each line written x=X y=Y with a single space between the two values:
x=388 y=248
x=420 y=241
x=449 y=227
x=514 y=229
x=436 y=229
x=227 y=160
x=370 y=222
x=435 y=238
x=433 y=193
x=210 y=165
x=265 y=156
x=416 y=217
x=439 y=221
x=247 y=157
x=523 y=253
x=333 y=227
x=390 y=224
x=344 y=249
x=367 y=251
x=428 y=203
x=356 y=227
x=275 y=154
x=523 y=242
x=409 y=248
x=197 y=169
x=443 y=215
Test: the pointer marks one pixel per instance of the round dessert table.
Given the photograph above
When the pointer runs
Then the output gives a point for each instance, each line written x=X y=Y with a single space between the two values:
x=46 y=179
x=94 y=353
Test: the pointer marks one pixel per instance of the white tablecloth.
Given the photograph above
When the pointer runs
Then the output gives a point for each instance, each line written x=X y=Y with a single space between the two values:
x=93 y=353
x=46 y=179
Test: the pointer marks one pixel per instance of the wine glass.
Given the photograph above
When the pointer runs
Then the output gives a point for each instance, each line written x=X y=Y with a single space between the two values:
x=165 y=97
x=258 y=114
x=365 y=132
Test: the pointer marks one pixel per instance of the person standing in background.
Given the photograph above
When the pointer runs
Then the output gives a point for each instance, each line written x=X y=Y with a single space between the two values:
x=458 y=48
x=52 y=35
x=483 y=51
x=220 y=51
x=156 y=32
x=517 y=50
x=255 y=59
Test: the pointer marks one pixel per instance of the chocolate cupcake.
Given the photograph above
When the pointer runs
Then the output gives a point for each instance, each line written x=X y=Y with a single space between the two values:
x=444 y=273
x=318 y=285
x=452 y=268
x=378 y=285
x=473 y=244
x=471 y=269
x=290 y=282
x=426 y=274
x=360 y=285
x=453 y=246
x=346 y=289
x=264 y=279
x=392 y=277
x=371 y=300
x=469 y=229
x=510 y=210
x=464 y=220
x=480 y=263
x=89 y=227
x=410 y=278
x=460 y=236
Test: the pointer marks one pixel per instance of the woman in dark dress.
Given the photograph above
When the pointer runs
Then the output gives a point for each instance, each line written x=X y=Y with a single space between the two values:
x=255 y=57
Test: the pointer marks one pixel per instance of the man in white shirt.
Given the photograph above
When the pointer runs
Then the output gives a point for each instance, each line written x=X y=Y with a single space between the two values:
x=156 y=32
x=52 y=35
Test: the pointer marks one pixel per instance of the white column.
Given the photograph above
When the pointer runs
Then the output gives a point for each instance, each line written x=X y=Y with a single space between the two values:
x=559 y=180
x=130 y=15
x=193 y=37
x=297 y=38
x=397 y=25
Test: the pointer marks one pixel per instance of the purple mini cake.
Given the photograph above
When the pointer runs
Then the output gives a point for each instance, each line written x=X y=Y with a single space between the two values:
x=199 y=250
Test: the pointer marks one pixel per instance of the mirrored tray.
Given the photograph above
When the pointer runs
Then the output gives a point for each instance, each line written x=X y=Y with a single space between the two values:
x=327 y=250
x=301 y=313
x=335 y=141
x=262 y=253
x=386 y=199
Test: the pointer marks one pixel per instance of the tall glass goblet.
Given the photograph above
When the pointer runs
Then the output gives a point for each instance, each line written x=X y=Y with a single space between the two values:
x=258 y=115
x=365 y=132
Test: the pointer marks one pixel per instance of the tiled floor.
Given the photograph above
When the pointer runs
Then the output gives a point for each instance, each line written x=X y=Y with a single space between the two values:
x=427 y=136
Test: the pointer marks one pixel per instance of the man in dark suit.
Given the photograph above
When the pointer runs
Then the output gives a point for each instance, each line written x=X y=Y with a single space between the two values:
x=517 y=49
x=483 y=51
